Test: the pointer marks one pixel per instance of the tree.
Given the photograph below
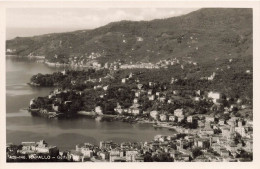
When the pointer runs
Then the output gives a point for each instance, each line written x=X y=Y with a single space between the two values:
x=196 y=152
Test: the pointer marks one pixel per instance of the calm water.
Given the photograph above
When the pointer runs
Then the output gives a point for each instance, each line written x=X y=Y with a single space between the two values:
x=21 y=126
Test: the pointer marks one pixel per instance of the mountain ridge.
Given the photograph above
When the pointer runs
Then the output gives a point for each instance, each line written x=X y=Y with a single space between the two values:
x=198 y=35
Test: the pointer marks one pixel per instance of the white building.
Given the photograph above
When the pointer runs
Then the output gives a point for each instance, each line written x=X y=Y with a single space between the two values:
x=154 y=114
x=178 y=112
x=98 y=110
x=152 y=97
x=214 y=96
x=124 y=80
x=130 y=156
x=163 y=117
x=189 y=119
x=172 y=118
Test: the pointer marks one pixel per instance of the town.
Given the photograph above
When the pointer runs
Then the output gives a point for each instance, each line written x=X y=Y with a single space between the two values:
x=210 y=126
x=203 y=145
x=187 y=78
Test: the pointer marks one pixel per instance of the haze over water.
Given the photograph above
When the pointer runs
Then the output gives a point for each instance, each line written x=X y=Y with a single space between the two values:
x=21 y=126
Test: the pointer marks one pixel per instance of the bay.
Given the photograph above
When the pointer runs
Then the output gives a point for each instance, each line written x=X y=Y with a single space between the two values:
x=21 y=126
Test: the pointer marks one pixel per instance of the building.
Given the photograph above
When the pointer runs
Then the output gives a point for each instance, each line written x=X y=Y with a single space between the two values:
x=98 y=110
x=86 y=150
x=210 y=119
x=224 y=153
x=106 y=144
x=172 y=118
x=118 y=109
x=28 y=146
x=214 y=96
x=162 y=99
x=189 y=119
x=202 y=142
x=124 y=80
x=137 y=94
x=114 y=155
x=221 y=122
x=180 y=118
x=104 y=155
x=76 y=156
x=163 y=117
x=178 y=112
x=131 y=155
x=154 y=114
x=135 y=111
x=151 y=97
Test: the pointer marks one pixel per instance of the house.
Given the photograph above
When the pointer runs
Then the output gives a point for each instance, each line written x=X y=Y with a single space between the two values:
x=163 y=117
x=210 y=119
x=224 y=152
x=182 y=158
x=225 y=131
x=73 y=82
x=154 y=114
x=32 y=102
x=114 y=155
x=137 y=94
x=139 y=86
x=178 y=112
x=241 y=130
x=105 y=88
x=135 y=100
x=174 y=153
x=151 y=97
x=180 y=118
x=68 y=102
x=215 y=96
x=169 y=101
x=135 y=111
x=124 y=80
x=98 y=110
x=28 y=146
x=86 y=150
x=197 y=98
x=104 y=155
x=139 y=39
x=139 y=158
x=130 y=156
x=150 y=92
x=105 y=144
x=118 y=109
x=201 y=142
x=172 y=118
x=76 y=156
x=189 y=119
x=55 y=107
x=64 y=72
x=221 y=122
x=157 y=93
x=207 y=130
x=96 y=65
x=175 y=92
x=162 y=99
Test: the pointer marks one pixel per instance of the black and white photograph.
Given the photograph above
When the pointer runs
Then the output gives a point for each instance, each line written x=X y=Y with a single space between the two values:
x=128 y=84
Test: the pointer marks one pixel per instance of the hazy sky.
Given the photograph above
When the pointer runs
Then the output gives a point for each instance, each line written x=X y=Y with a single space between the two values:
x=35 y=21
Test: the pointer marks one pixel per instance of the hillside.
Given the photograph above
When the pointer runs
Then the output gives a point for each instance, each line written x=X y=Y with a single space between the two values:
x=200 y=36
x=218 y=40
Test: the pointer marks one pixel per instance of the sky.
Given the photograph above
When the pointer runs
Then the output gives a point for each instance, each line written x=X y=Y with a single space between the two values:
x=35 y=21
